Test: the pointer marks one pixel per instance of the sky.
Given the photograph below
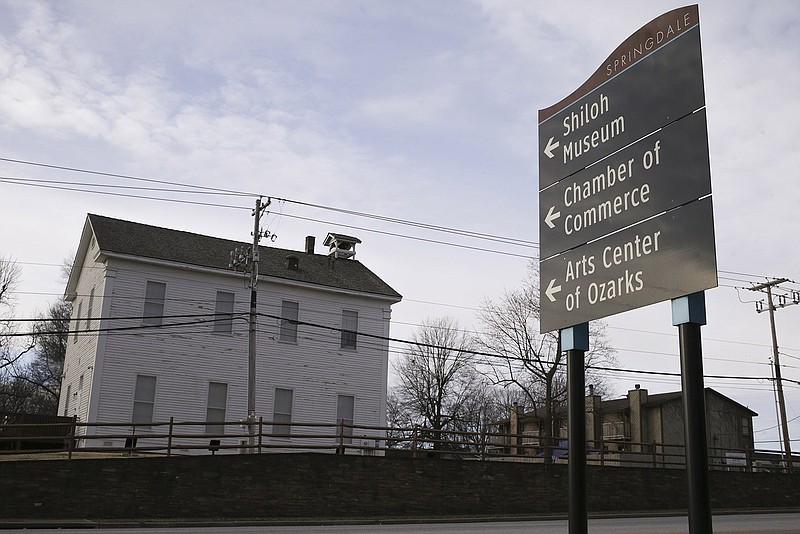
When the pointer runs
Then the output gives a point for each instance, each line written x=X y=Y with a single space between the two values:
x=419 y=111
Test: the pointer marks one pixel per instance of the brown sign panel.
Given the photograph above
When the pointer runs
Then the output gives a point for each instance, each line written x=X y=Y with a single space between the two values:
x=665 y=257
x=659 y=172
x=661 y=88
x=657 y=33
x=626 y=216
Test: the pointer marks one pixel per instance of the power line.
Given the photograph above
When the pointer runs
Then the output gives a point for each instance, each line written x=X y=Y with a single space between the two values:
x=126 y=195
x=36 y=181
x=194 y=188
x=125 y=176
x=212 y=190
x=212 y=318
x=310 y=219
x=274 y=304
x=239 y=315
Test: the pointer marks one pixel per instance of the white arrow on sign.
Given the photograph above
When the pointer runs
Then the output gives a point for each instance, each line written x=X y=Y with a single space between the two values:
x=550 y=147
x=551 y=216
x=552 y=290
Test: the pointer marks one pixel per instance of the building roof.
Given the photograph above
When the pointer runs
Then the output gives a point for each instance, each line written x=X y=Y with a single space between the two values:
x=623 y=404
x=118 y=237
x=655 y=399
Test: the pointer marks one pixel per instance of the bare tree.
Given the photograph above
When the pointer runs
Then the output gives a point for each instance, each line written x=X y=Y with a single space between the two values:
x=30 y=370
x=44 y=369
x=482 y=411
x=437 y=378
x=524 y=358
x=11 y=349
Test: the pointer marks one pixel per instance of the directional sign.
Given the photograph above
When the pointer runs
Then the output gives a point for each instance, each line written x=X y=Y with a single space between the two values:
x=659 y=172
x=659 y=259
x=665 y=86
x=624 y=205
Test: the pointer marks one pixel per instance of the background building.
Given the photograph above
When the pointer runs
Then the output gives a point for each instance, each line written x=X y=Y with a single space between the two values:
x=640 y=427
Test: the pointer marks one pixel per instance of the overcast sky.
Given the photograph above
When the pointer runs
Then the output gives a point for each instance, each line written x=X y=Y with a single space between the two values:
x=415 y=110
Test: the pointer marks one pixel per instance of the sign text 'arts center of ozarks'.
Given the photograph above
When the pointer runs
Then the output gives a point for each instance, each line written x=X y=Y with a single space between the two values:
x=625 y=213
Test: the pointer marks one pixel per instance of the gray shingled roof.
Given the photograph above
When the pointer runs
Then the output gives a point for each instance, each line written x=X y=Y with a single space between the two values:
x=623 y=404
x=135 y=239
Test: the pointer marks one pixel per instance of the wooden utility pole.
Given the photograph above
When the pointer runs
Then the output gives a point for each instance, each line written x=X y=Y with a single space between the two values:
x=251 y=262
x=767 y=286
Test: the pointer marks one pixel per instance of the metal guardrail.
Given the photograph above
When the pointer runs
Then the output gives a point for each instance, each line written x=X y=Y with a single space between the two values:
x=168 y=438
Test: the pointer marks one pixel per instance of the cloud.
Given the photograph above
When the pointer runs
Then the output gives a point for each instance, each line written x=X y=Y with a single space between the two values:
x=410 y=109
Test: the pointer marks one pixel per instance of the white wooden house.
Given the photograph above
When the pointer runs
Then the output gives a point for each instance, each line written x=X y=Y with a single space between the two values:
x=159 y=329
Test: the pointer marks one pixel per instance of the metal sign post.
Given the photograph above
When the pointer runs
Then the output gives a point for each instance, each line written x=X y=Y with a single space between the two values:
x=575 y=340
x=689 y=314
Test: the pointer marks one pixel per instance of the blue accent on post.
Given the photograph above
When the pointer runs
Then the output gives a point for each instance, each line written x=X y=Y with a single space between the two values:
x=575 y=337
x=689 y=309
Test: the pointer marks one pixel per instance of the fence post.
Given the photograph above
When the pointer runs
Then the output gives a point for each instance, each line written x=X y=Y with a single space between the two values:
x=414 y=442
x=602 y=452
x=341 y=436
x=169 y=438
x=132 y=439
x=655 y=454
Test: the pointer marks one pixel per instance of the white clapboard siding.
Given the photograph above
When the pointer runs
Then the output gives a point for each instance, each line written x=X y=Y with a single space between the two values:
x=82 y=348
x=185 y=359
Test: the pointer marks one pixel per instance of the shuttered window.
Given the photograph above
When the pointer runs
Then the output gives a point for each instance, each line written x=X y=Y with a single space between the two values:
x=289 y=315
x=223 y=311
x=144 y=399
x=216 y=406
x=345 y=408
x=282 y=411
x=349 y=329
x=154 y=303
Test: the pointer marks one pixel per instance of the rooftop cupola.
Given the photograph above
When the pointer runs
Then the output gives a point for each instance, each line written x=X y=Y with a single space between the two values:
x=341 y=246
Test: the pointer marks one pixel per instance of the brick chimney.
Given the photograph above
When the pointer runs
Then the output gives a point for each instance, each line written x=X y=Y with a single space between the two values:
x=637 y=398
x=310 y=242
x=594 y=417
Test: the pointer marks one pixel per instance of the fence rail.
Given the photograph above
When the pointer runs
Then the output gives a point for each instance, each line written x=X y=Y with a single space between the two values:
x=168 y=438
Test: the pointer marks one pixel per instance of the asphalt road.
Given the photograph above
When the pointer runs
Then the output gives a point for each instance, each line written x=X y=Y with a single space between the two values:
x=723 y=524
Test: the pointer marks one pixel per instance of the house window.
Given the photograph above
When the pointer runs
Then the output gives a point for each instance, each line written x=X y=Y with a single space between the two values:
x=745 y=426
x=79 y=396
x=223 y=321
x=66 y=400
x=289 y=315
x=89 y=311
x=345 y=405
x=215 y=408
x=349 y=329
x=282 y=412
x=144 y=399
x=77 y=322
x=154 y=294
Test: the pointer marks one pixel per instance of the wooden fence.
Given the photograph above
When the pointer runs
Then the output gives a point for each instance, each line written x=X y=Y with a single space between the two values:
x=72 y=438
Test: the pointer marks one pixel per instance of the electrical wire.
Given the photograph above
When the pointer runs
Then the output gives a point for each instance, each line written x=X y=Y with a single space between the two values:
x=220 y=191
x=211 y=318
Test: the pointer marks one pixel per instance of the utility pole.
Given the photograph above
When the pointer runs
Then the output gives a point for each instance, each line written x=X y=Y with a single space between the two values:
x=767 y=287
x=250 y=259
